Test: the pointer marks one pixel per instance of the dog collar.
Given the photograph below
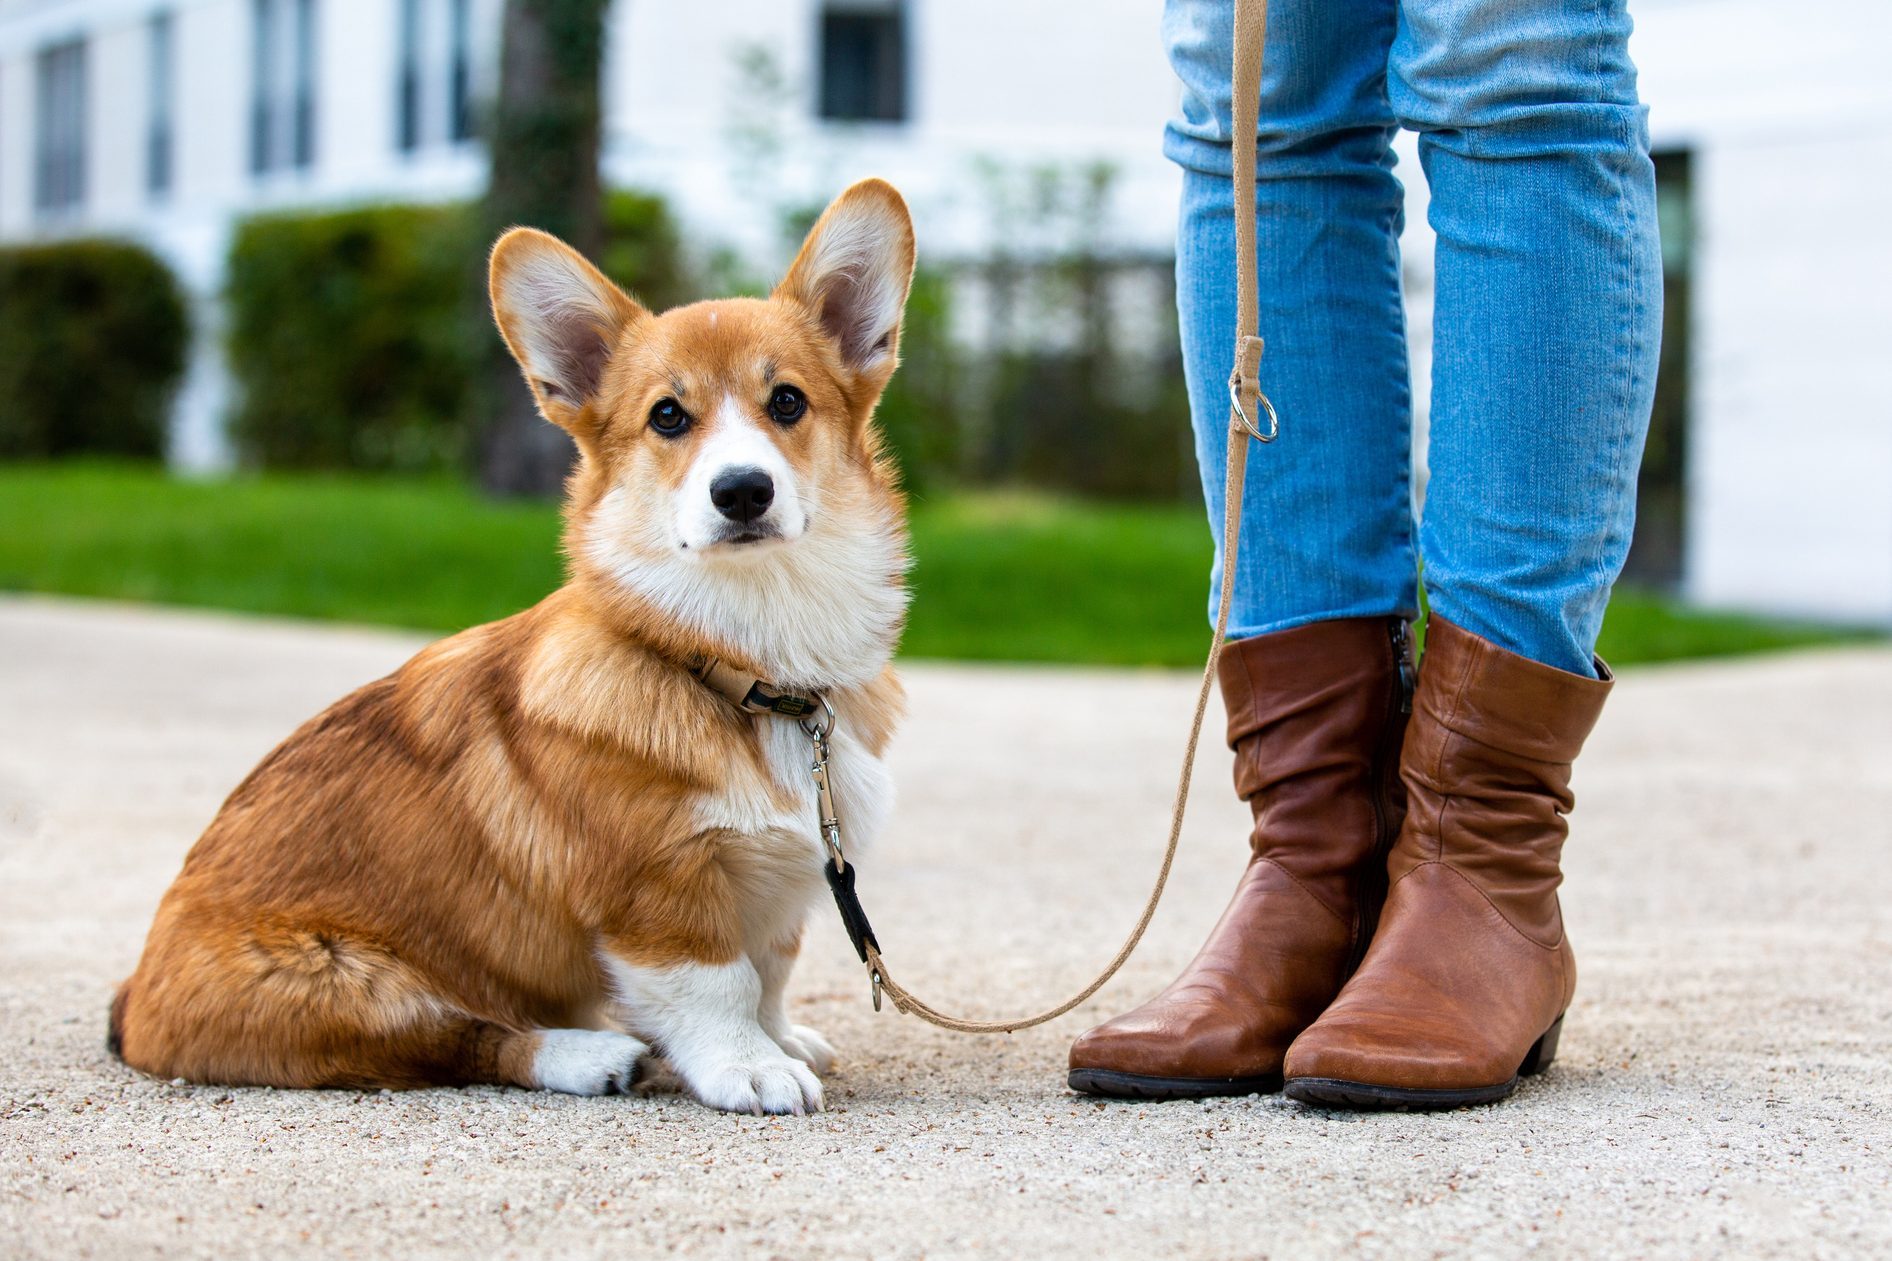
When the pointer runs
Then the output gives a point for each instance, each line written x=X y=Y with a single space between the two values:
x=750 y=694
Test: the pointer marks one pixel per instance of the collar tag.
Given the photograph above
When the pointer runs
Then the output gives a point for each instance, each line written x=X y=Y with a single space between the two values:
x=750 y=694
x=786 y=704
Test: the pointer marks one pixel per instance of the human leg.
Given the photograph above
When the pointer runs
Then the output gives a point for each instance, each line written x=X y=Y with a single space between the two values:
x=1315 y=679
x=1547 y=316
x=1328 y=506
x=1548 y=313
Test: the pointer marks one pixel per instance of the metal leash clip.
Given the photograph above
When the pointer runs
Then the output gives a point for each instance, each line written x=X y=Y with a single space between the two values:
x=818 y=731
x=840 y=875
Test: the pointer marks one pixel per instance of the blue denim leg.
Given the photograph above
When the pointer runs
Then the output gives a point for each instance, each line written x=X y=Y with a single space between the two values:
x=1327 y=509
x=1548 y=310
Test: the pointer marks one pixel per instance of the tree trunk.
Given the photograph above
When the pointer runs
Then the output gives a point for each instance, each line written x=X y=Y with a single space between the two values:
x=544 y=139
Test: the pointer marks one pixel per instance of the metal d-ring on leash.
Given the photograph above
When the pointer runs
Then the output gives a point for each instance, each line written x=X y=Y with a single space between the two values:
x=1245 y=399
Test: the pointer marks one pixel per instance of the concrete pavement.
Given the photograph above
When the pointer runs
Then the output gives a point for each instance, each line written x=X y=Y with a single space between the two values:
x=1724 y=1086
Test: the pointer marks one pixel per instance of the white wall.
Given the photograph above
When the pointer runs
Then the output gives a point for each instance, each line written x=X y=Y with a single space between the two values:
x=16 y=142
x=1788 y=109
x=1790 y=504
x=1022 y=83
x=356 y=159
x=676 y=99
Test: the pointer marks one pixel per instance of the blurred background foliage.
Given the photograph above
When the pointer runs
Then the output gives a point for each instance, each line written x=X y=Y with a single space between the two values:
x=349 y=339
x=345 y=339
x=93 y=337
x=1039 y=419
x=351 y=347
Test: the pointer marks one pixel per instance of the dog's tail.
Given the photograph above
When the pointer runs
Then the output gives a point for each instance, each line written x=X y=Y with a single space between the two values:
x=115 y=1024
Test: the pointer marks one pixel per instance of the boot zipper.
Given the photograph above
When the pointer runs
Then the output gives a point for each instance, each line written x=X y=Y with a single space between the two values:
x=1386 y=767
x=1402 y=658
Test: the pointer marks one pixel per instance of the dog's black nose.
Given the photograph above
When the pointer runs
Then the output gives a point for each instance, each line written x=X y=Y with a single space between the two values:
x=742 y=494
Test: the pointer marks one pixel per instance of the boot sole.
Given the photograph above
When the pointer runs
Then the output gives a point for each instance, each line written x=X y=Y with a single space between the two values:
x=1114 y=1085
x=1333 y=1092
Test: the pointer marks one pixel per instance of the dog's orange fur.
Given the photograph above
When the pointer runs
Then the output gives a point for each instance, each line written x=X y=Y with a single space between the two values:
x=424 y=875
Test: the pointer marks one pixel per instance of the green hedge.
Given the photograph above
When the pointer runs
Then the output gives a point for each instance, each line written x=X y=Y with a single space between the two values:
x=93 y=338
x=349 y=334
x=354 y=344
x=346 y=340
x=643 y=250
x=919 y=412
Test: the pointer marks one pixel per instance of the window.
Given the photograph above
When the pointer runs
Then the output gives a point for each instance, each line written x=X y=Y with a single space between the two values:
x=1659 y=546
x=263 y=44
x=59 y=129
x=863 y=61
x=407 y=89
x=460 y=70
x=434 y=83
x=159 y=134
x=282 y=85
x=304 y=127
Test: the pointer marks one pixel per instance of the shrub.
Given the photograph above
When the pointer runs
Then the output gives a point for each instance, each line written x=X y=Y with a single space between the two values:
x=349 y=339
x=93 y=337
x=643 y=250
x=1070 y=430
x=920 y=412
x=346 y=339
x=1075 y=384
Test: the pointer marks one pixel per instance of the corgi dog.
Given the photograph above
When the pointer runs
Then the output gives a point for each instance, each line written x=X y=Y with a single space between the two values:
x=543 y=850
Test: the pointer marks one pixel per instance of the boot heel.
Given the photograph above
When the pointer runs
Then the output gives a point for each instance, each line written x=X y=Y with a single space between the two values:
x=1543 y=1051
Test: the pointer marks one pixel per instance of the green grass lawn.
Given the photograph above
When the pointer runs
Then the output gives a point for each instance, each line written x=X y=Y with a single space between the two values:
x=998 y=577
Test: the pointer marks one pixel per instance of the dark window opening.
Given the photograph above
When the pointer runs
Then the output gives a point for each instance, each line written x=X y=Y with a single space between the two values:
x=863 y=64
x=460 y=72
x=282 y=84
x=59 y=126
x=1657 y=554
x=160 y=134
x=304 y=151
x=263 y=42
x=434 y=74
x=407 y=86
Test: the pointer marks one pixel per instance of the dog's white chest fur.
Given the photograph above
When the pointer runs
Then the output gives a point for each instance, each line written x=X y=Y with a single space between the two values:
x=861 y=786
x=773 y=823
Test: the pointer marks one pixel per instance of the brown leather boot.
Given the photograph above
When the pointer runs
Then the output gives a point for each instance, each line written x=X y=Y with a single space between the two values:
x=1315 y=716
x=1464 y=988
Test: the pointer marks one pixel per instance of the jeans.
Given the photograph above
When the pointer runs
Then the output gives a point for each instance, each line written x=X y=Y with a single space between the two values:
x=1546 y=324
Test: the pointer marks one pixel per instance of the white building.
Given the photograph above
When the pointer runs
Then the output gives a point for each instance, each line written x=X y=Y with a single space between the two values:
x=1787 y=113
x=168 y=119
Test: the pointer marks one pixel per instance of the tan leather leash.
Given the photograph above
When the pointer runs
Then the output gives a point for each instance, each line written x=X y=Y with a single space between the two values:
x=1245 y=398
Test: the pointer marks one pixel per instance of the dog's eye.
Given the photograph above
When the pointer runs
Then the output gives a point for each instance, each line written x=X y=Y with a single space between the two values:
x=787 y=404
x=668 y=417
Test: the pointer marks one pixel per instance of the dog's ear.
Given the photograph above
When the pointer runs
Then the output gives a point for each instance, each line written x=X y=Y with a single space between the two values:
x=853 y=273
x=560 y=317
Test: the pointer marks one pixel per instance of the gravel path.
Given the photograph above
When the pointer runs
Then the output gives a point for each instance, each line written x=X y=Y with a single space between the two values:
x=1725 y=1086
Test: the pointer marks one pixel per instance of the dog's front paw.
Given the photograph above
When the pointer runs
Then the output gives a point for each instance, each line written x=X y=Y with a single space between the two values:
x=775 y=1086
x=808 y=1046
x=587 y=1061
